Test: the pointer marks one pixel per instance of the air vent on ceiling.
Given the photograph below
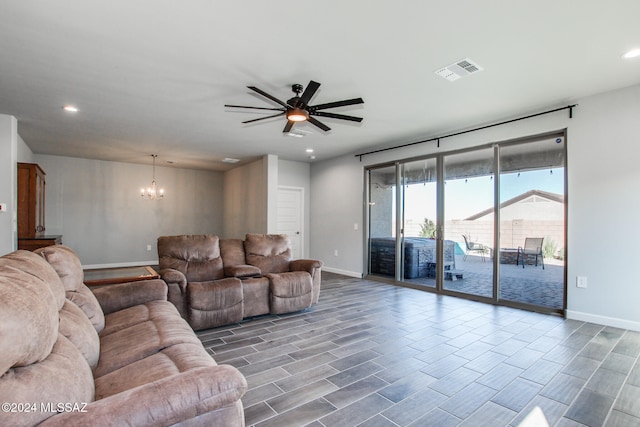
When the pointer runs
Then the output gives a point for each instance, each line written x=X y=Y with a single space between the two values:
x=458 y=69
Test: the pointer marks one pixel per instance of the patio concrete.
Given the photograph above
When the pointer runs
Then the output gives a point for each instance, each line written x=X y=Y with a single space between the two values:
x=531 y=285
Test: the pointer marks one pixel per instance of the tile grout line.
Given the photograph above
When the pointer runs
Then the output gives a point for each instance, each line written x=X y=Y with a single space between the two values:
x=590 y=376
x=635 y=362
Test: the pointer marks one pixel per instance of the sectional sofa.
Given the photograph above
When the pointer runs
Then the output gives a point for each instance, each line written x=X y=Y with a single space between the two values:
x=120 y=355
x=215 y=281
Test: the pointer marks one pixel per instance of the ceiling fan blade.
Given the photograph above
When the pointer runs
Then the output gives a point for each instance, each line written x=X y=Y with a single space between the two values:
x=336 y=116
x=308 y=93
x=336 y=104
x=319 y=124
x=266 y=95
x=288 y=126
x=253 y=108
x=263 y=118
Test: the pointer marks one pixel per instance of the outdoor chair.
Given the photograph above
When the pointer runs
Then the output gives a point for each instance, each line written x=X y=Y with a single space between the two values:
x=473 y=247
x=532 y=246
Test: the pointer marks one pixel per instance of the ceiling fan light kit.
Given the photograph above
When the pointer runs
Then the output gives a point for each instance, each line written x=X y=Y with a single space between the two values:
x=297 y=109
x=297 y=115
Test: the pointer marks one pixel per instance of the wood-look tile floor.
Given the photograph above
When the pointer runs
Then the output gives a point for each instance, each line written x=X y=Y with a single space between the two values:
x=373 y=354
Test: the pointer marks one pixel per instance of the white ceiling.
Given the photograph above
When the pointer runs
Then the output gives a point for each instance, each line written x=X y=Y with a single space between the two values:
x=152 y=76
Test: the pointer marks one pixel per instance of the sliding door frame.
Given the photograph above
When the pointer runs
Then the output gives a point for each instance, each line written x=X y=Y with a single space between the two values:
x=440 y=220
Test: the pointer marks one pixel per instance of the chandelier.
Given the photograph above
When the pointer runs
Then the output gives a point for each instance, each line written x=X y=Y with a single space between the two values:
x=153 y=192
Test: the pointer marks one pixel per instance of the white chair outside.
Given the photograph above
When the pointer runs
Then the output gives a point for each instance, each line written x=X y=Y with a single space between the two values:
x=532 y=246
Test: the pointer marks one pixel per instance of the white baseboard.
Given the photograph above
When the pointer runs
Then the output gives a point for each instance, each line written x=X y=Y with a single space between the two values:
x=343 y=272
x=120 y=264
x=603 y=320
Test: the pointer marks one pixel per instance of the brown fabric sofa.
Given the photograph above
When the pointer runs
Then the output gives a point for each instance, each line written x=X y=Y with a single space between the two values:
x=120 y=355
x=215 y=281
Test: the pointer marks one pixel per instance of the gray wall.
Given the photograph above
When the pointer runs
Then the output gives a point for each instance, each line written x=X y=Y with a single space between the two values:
x=96 y=206
x=8 y=182
x=251 y=191
x=603 y=201
x=25 y=155
x=336 y=205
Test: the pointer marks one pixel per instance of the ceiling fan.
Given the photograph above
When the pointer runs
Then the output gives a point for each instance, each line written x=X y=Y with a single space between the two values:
x=297 y=109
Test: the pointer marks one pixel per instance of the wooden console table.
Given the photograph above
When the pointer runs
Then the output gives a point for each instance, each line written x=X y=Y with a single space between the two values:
x=112 y=276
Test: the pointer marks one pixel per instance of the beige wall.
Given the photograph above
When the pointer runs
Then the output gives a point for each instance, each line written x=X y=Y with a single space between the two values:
x=245 y=200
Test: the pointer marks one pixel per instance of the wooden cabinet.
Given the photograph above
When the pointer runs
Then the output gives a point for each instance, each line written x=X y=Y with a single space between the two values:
x=31 y=201
x=31 y=208
x=33 y=243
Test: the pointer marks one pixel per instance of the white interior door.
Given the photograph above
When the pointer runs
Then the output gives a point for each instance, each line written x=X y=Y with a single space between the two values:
x=291 y=217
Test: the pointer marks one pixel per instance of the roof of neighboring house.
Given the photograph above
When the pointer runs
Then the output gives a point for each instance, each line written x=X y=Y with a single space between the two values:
x=545 y=194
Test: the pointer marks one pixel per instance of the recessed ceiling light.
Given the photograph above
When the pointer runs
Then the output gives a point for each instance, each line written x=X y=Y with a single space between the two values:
x=70 y=108
x=631 y=54
x=309 y=150
x=312 y=157
x=230 y=160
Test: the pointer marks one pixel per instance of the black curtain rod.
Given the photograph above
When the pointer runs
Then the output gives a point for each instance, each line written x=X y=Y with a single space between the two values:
x=568 y=107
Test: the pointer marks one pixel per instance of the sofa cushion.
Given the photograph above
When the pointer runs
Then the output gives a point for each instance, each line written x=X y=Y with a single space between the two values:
x=63 y=376
x=153 y=310
x=196 y=256
x=34 y=265
x=29 y=318
x=67 y=265
x=215 y=303
x=232 y=252
x=271 y=253
x=141 y=340
x=118 y=297
x=290 y=291
x=87 y=302
x=75 y=326
x=198 y=397
x=167 y=362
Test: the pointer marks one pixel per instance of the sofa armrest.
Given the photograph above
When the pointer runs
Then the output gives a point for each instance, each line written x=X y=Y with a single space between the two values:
x=164 y=402
x=176 y=289
x=242 y=270
x=170 y=275
x=117 y=297
x=313 y=267
x=308 y=265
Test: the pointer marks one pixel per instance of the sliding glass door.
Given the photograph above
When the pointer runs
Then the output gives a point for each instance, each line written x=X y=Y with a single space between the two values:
x=532 y=217
x=419 y=216
x=469 y=222
x=382 y=223
x=486 y=223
